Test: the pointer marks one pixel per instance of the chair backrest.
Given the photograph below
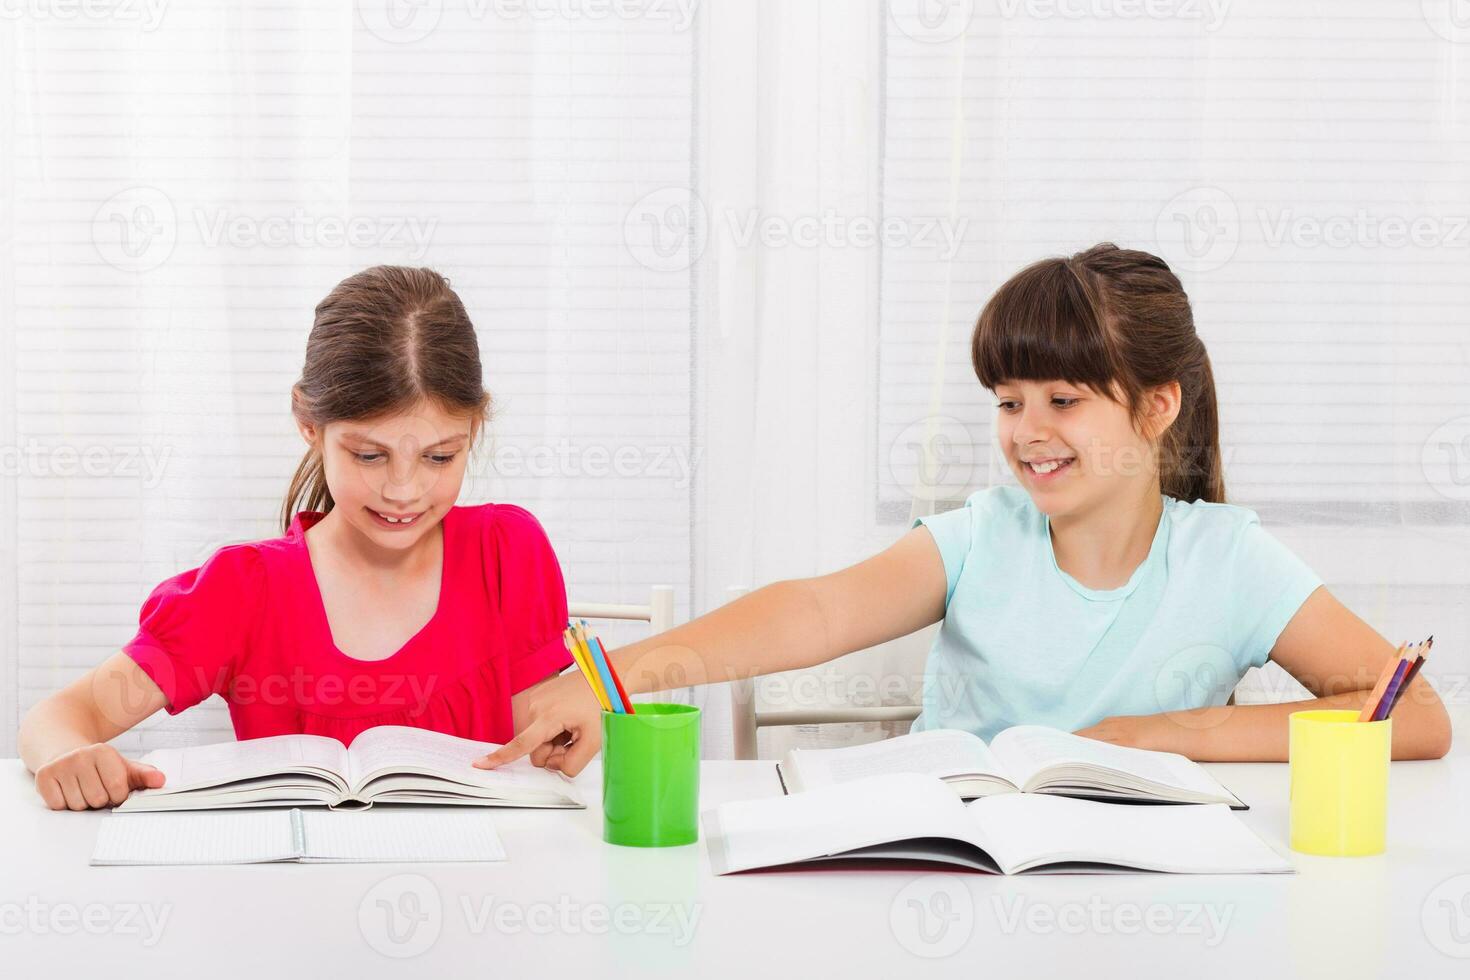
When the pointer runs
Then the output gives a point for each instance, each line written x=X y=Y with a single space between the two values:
x=658 y=614
x=747 y=719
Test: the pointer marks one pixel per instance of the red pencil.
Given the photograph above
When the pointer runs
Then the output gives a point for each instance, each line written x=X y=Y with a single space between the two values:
x=617 y=681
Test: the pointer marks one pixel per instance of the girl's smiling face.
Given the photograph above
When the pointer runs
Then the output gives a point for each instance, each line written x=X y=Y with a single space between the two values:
x=1072 y=447
x=394 y=477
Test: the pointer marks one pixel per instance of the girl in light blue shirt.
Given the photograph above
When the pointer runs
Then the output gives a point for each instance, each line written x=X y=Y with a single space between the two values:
x=1113 y=593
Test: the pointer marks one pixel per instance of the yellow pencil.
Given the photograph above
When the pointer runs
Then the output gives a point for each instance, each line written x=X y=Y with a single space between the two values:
x=584 y=664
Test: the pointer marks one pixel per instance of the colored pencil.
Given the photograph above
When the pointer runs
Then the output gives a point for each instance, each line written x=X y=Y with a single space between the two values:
x=1371 y=705
x=585 y=669
x=1409 y=677
x=604 y=672
x=617 y=681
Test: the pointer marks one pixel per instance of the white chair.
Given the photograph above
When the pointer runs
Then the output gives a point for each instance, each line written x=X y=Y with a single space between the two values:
x=658 y=613
x=747 y=719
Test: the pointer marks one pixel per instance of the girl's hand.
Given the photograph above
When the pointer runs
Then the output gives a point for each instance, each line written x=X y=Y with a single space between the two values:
x=562 y=728
x=1136 y=731
x=93 y=776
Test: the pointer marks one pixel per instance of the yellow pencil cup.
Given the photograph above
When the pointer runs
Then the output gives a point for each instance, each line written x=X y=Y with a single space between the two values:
x=1339 y=783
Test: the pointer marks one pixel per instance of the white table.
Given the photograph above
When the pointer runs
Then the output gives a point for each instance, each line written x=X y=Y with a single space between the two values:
x=574 y=903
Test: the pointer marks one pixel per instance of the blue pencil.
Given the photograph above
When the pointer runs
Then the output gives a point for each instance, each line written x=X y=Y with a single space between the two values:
x=599 y=660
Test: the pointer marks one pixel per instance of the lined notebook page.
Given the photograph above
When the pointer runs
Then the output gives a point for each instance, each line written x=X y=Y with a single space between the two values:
x=176 y=198
x=383 y=834
x=248 y=837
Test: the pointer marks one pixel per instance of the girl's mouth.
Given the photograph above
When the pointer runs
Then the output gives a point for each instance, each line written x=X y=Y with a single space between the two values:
x=1045 y=471
x=394 y=521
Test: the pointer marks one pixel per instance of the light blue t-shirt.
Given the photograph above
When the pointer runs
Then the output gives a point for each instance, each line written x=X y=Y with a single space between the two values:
x=1023 y=642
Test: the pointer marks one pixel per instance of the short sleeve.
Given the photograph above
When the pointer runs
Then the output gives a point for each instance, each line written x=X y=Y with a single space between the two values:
x=532 y=595
x=953 y=532
x=1271 y=583
x=195 y=629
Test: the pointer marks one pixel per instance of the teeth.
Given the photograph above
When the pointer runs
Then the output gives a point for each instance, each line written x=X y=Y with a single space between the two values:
x=1048 y=467
x=396 y=520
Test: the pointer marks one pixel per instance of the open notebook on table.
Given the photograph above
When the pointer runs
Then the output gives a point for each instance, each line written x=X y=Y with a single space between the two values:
x=1023 y=758
x=388 y=764
x=916 y=817
x=307 y=837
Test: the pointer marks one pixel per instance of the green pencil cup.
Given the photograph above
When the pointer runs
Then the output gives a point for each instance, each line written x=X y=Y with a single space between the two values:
x=650 y=776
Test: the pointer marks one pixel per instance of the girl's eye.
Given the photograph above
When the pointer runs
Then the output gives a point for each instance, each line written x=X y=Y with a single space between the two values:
x=1064 y=402
x=1006 y=406
x=368 y=457
x=441 y=459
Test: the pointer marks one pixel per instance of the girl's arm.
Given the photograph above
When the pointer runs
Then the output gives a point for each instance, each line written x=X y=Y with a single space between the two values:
x=63 y=739
x=784 y=626
x=1337 y=657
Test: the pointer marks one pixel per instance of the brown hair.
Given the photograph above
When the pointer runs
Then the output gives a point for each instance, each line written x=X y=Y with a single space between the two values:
x=1116 y=320
x=384 y=340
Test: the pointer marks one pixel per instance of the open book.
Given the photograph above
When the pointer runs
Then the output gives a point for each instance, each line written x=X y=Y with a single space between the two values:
x=311 y=837
x=388 y=764
x=1023 y=758
x=915 y=817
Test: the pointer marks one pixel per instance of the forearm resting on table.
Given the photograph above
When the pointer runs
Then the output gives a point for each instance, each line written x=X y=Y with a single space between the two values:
x=54 y=726
x=1259 y=732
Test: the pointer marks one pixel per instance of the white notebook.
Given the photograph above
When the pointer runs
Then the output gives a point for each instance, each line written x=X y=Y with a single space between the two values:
x=917 y=817
x=1023 y=758
x=303 y=836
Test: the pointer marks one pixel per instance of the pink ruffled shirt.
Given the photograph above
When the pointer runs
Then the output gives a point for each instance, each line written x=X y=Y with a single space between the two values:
x=249 y=625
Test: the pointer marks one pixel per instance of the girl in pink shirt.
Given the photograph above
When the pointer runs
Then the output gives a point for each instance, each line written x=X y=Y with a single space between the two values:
x=382 y=603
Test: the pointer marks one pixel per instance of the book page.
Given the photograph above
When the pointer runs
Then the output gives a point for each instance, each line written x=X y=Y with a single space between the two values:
x=400 y=749
x=218 y=837
x=940 y=752
x=1028 y=750
x=834 y=819
x=408 y=834
x=1034 y=829
x=196 y=766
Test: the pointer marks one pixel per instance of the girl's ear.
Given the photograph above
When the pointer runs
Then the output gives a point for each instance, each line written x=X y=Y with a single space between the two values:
x=308 y=431
x=1161 y=408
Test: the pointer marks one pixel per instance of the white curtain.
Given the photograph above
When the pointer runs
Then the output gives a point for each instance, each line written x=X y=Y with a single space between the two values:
x=176 y=195
x=742 y=241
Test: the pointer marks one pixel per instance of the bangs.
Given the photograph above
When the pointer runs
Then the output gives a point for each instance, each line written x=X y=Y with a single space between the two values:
x=1042 y=325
